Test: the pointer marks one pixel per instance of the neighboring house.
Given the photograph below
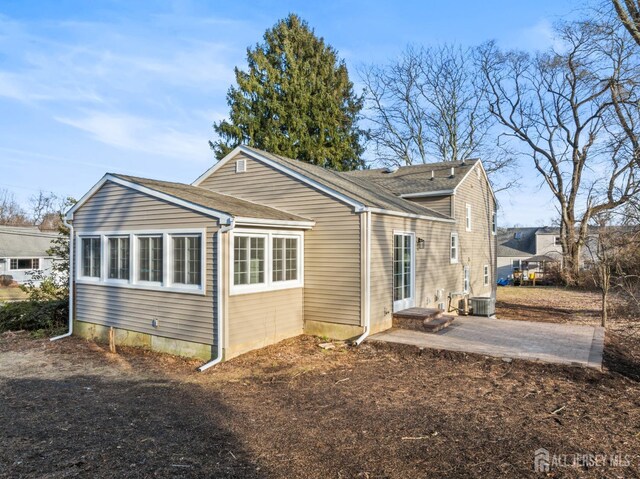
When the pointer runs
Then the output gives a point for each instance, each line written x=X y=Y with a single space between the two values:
x=261 y=248
x=518 y=245
x=23 y=250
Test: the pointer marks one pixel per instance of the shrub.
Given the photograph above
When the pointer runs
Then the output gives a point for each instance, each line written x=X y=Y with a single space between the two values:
x=47 y=316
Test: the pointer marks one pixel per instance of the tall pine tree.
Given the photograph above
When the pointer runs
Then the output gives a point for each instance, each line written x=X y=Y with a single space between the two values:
x=296 y=100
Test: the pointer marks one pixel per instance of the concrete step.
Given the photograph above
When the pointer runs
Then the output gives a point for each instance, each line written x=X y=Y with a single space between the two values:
x=438 y=324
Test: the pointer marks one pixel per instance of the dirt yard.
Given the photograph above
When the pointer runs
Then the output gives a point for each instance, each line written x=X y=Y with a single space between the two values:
x=72 y=409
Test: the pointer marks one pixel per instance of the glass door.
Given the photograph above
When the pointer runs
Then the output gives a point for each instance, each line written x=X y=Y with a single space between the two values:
x=403 y=271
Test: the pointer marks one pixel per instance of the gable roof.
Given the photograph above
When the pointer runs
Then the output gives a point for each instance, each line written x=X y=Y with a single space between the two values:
x=24 y=241
x=508 y=245
x=218 y=205
x=414 y=180
x=355 y=191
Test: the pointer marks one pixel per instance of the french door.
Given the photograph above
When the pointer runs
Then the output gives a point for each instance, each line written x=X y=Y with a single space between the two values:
x=403 y=271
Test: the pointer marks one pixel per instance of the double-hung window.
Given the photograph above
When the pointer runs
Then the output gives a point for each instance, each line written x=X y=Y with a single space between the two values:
x=187 y=259
x=494 y=223
x=486 y=274
x=119 y=257
x=285 y=259
x=453 y=248
x=249 y=254
x=468 y=217
x=466 y=279
x=91 y=257
x=150 y=258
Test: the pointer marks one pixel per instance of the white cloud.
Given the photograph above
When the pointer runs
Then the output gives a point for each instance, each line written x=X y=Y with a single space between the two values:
x=134 y=133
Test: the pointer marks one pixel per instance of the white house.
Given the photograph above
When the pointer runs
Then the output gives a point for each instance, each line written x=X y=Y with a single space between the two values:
x=23 y=250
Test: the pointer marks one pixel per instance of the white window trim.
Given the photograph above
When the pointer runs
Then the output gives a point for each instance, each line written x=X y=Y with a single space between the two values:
x=269 y=284
x=453 y=260
x=39 y=258
x=467 y=218
x=136 y=245
x=494 y=223
x=486 y=275
x=167 y=259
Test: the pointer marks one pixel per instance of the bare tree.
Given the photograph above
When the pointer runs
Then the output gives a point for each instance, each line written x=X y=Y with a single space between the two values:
x=628 y=11
x=11 y=213
x=427 y=106
x=557 y=105
x=44 y=206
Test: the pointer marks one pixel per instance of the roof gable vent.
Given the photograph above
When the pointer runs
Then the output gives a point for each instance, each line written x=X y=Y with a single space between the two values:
x=241 y=166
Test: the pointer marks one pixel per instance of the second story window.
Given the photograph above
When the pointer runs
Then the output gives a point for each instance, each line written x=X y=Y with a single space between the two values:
x=468 y=218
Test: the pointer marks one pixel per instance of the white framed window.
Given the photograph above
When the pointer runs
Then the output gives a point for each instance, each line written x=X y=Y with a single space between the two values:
x=494 y=223
x=486 y=274
x=150 y=259
x=265 y=260
x=163 y=260
x=24 y=264
x=466 y=279
x=119 y=258
x=91 y=257
x=187 y=260
x=453 y=248
x=468 y=217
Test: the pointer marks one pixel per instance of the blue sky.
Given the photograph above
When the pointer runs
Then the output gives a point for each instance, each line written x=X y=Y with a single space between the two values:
x=133 y=87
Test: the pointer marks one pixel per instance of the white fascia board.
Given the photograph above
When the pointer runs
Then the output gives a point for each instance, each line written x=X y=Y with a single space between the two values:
x=359 y=207
x=381 y=211
x=486 y=177
x=428 y=193
x=304 y=225
x=224 y=218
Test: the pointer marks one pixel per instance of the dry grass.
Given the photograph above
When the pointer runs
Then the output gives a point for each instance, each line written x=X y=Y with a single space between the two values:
x=12 y=294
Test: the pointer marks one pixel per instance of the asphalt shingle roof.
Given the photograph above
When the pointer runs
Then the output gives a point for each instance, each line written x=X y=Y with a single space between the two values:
x=358 y=188
x=216 y=201
x=417 y=178
x=24 y=241
x=508 y=245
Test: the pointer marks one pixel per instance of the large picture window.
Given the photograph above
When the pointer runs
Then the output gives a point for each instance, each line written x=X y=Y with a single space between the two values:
x=187 y=259
x=150 y=258
x=91 y=257
x=263 y=261
x=119 y=257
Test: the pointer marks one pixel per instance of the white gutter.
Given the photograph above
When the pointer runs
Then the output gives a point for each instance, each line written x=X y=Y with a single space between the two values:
x=428 y=193
x=408 y=215
x=71 y=270
x=219 y=309
x=241 y=220
x=367 y=283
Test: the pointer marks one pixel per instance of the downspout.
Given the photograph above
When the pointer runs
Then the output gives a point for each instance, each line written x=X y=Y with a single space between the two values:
x=72 y=241
x=219 y=309
x=367 y=281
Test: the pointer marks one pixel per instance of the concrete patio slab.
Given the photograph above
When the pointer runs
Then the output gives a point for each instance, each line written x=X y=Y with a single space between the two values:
x=576 y=345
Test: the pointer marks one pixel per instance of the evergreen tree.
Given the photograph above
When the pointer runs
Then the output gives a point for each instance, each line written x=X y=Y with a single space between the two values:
x=296 y=100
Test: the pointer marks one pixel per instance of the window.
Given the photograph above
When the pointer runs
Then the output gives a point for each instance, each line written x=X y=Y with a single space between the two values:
x=517 y=235
x=285 y=259
x=468 y=218
x=454 y=248
x=265 y=261
x=187 y=259
x=516 y=264
x=557 y=241
x=91 y=256
x=119 y=258
x=466 y=279
x=24 y=263
x=486 y=275
x=150 y=258
x=241 y=166
x=494 y=223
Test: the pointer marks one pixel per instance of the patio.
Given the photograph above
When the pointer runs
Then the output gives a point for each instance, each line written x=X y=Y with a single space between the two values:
x=576 y=345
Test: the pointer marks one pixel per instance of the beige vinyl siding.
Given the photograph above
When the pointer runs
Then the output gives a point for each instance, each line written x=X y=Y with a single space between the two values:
x=441 y=204
x=259 y=319
x=188 y=317
x=433 y=268
x=332 y=247
x=478 y=246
